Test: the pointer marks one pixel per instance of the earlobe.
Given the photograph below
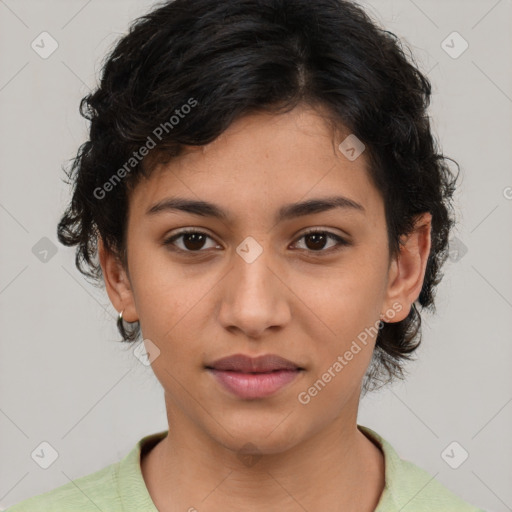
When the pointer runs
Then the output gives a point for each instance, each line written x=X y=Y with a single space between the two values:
x=117 y=283
x=407 y=271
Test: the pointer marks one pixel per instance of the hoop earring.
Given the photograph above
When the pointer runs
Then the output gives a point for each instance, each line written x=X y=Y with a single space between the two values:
x=120 y=326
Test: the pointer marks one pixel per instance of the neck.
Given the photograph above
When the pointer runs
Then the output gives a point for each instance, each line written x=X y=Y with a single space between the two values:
x=188 y=470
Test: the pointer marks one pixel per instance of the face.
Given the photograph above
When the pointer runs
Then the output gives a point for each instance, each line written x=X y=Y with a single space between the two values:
x=254 y=282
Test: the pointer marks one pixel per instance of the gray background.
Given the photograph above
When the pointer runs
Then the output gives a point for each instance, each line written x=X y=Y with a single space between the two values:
x=63 y=377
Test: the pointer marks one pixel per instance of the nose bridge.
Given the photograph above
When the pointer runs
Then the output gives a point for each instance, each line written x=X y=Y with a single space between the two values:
x=252 y=299
x=252 y=279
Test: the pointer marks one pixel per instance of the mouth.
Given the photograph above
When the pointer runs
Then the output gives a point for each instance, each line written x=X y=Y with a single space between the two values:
x=246 y=364
x=252 y=378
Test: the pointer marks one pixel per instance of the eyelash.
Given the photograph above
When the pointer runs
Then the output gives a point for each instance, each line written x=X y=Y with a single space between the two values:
x=341 y=242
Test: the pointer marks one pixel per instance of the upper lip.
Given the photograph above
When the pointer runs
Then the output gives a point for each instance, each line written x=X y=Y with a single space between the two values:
x=247 y=364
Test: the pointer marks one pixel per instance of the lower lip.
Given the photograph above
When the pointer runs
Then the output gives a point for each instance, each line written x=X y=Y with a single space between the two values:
x=254 y=385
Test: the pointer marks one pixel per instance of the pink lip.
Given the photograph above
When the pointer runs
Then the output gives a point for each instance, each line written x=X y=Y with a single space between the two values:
x=246 y=364
x=254 y=385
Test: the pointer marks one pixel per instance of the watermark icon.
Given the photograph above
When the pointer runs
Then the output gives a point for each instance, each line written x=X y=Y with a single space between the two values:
x=44 y=455
x=44 y=45
x=351 y=147
x=249 y=250
x=456 y=249
x=507 y=192
x=44 y=250
x=249 y=454
x=137 y=156
x=454 y=45
x=454 y=455
x=146 y=352
x=304 y=397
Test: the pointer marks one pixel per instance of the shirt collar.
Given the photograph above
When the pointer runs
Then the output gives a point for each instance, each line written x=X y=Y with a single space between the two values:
x=133 y=493
x=392 y=463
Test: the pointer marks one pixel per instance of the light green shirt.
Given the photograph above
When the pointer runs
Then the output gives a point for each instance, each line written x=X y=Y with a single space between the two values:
x=120 y=487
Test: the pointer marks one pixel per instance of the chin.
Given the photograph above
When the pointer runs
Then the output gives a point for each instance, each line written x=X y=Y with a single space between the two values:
x=270 y=435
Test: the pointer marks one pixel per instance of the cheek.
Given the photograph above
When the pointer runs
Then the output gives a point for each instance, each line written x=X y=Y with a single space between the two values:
x=159 y=299
x=342 y=317
x=343 y=346
x=346 y=300
x=171 y=302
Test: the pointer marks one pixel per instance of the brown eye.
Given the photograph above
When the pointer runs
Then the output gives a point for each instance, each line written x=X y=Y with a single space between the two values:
x=315 y=241
x=193 y=241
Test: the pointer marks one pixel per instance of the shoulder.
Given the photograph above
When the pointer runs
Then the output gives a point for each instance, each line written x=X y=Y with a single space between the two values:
x=408 y=485
x=96 y=491
x=420 y=489
x=117 y=487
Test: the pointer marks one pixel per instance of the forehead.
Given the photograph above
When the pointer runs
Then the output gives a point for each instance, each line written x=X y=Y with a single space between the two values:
x=261 y=162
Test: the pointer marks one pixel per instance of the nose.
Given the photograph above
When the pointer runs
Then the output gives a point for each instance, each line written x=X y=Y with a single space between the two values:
x=253 y=297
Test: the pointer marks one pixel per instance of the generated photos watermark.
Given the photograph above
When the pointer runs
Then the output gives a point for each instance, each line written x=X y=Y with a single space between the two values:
x=304 y=397
x=137 y=156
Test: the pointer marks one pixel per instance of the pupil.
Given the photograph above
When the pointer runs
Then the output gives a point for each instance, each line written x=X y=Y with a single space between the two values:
x=318 y=241
x=196 y=239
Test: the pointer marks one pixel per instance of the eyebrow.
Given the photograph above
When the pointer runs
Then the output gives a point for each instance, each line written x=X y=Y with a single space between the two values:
x=287 y=212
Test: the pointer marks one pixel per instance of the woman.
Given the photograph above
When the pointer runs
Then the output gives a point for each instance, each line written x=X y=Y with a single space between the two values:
x=268 y=207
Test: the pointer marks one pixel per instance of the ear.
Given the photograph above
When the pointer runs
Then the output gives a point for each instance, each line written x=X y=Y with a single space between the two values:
x=117 y=283
x=407 y=271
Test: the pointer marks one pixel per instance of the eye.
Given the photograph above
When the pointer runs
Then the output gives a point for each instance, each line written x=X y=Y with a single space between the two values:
x=193 y=241
x=318 y=238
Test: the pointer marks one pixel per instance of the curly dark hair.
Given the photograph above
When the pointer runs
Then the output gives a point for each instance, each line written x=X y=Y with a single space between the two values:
x=233 y=58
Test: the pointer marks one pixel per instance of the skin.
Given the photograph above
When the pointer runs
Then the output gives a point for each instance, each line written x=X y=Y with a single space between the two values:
x=303 y=304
